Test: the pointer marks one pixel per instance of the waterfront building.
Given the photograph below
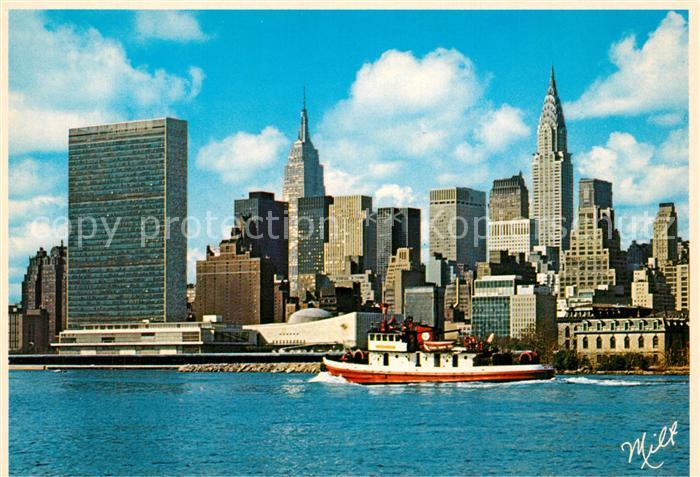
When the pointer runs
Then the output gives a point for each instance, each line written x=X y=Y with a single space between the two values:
x=403 y=272
x=144 y=338
x=507 y=307
x=552 y=175
x=127 y=205
x=396 y=228
x=303 y=177
x=664 y=243
x=594 y=259
x=425 y=305
x=458 y=225
x=28 y=330
x=313 y=228
x=314 y=327
x=266 y=223
x=352 y=236
x=235 y=283
x=650 y=290
x=605 y=330
x=44 y=287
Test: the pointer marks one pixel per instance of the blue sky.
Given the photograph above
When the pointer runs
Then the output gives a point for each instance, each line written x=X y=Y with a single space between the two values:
x=399 y=103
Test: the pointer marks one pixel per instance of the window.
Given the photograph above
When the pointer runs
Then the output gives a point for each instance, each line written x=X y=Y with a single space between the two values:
x=567 y=333
x=418 y=360
x=640 y=342
x=612 y=342
x=627 y=341
x=599 y=342
x=436 y=360
x=640 y=325
x=598 y=326
x=613 y=325
x=455 y=360
x=655 y=342
x=386 y=359
x=585 y=342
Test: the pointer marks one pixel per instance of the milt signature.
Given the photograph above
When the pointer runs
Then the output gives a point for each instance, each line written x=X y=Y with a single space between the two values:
x=640 y=448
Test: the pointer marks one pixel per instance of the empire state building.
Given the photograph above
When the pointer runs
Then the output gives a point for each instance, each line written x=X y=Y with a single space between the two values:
x=552 y=176
x=303 y=177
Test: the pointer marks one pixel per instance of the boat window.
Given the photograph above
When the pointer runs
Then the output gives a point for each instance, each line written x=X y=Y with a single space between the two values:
x=436 y=360
x=418 y=359
x=386 y=359
x=455 y=360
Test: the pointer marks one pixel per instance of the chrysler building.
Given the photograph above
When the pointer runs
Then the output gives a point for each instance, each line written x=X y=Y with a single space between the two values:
x=303 y=177
x=552 y=176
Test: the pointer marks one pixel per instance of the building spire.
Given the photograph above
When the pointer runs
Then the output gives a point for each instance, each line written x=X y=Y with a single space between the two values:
x=304 y=127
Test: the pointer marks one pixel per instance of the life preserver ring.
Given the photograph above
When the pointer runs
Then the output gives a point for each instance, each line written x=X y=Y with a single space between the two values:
x=358 y=355
x=527 y=357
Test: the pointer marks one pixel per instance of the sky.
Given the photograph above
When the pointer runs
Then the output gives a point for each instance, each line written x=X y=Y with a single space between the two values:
x=399 y=103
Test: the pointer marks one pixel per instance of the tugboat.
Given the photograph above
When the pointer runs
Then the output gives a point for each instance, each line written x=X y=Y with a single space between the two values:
x=412 y=355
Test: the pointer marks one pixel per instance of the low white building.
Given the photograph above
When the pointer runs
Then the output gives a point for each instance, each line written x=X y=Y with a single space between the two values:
x=516 y=236
x=312 y=326
x=144 y=338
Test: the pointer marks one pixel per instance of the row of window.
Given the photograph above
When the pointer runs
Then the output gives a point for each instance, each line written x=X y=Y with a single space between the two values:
x=626 y=342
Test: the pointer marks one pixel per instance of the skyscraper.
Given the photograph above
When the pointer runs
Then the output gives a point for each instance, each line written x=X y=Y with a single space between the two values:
x=303 y=177
x=266 y=220
x=458 y=225
x=552 y=175
x=509 y=199
x=594 y=258
x=236 y=283
x=510 y=227
x=44 y=287
x=352 y=236
x=127 y=200
x=313 y=218
x=664 y=244
x=397 y=227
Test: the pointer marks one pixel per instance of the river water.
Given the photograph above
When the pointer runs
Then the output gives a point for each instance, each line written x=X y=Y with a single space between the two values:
x=138 y=422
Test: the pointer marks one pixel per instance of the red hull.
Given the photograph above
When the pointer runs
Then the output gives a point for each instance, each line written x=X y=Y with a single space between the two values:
x=372 y=377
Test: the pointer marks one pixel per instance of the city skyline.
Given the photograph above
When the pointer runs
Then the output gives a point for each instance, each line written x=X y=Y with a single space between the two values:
x=236 y=161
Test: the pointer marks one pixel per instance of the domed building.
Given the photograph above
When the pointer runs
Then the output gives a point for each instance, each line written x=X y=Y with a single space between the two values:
x=308 y=315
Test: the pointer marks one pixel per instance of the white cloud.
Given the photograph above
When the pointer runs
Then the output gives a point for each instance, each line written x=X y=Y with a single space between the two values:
x=640 y=172
x=26 y=239
x=669 y=119
x=168 y=25
x=37 y=205
x=242 y=156
x=423 y=114
x=28 y=175
x=394 y=195
x=63 y=76
x=650 y=78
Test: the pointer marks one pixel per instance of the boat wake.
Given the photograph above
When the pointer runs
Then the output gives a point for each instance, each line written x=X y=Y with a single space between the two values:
x=327 y=378
x=603 y=382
